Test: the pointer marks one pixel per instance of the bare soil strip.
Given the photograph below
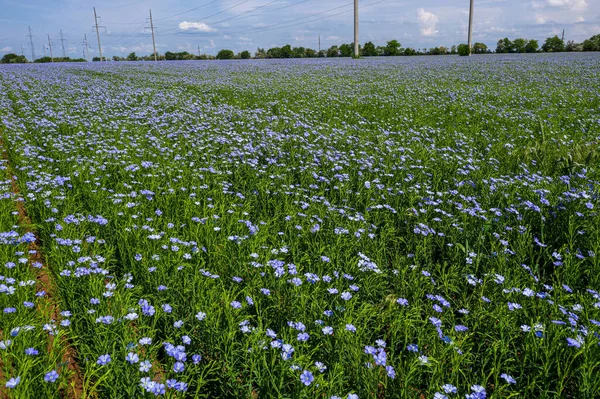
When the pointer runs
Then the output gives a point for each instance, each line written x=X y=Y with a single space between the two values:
x=50 y=310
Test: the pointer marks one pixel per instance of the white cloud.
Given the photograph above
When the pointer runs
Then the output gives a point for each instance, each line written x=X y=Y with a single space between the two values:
x=428 y=22
x=197 y=26
x=211 y=44
x=6 y=49
x=568 y=4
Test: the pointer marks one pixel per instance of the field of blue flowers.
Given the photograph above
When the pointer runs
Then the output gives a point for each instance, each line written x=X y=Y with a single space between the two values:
x=393 y=228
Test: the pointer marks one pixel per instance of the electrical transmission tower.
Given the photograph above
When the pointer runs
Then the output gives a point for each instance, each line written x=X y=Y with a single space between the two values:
x=151 y=27
x=30 y=36
x=86 y=47
x=98 y=33
x=50 y=45
x=62 y=41
x=471 y=25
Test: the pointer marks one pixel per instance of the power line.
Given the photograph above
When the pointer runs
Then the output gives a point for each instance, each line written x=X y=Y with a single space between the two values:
x=125 y=5
x=190 y=10
x=314 y=20
x=217 y=13
x=273 y=26
x=286 y=6
x=239 y=16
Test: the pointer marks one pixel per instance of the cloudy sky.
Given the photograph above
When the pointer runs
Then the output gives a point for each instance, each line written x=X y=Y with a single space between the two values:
x=247 y=24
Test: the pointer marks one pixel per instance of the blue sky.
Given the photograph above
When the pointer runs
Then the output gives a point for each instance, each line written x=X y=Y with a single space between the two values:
x=248 y=24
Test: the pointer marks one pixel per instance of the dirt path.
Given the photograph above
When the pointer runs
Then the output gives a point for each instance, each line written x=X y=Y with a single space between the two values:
x=49 y=310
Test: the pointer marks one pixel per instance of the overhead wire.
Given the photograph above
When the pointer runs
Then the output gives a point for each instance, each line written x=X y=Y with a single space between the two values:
x=280 y=25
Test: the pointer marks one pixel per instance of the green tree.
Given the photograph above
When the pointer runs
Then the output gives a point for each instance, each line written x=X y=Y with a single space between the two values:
x=346 y=50
x=310 y=53
x=409 y=51
x=245 y=55
x=573 y=46
x=463 y=49
x=12 y=58
x=260 y=53
x=132 y=57
x=392 y=48
x=532 y=46
x=224 y=55
x=453 y=49
x=592 y=44
x=287 y=52
x=274 y=52
x=520 y=45
x=553 y=45
x=480 y=48
x=299 y=52
x=369 y=50
x=504 y=46
x=333 y=51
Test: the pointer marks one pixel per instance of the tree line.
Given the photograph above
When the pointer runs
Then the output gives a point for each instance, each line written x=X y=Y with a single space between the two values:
x=369 y=49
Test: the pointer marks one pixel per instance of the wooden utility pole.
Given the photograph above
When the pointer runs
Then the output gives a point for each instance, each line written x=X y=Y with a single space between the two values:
x=98 y=34
x=356 y=28
x=50 y=46
x=30 y=36
x=153 y=42
x=471 y=26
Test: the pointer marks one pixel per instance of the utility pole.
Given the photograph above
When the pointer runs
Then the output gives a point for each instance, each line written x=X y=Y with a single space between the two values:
x=198 y=50
x=98 y=34
x=319 y=43
x=50 y=45
x=153 y=42
x=563 y=36
x=22 y=51
x=63 y=40
x=356 y=28
x=471 y=25
x=87 y=47
x=31 y=42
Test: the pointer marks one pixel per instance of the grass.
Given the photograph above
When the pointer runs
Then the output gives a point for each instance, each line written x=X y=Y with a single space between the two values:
x=424 y=221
